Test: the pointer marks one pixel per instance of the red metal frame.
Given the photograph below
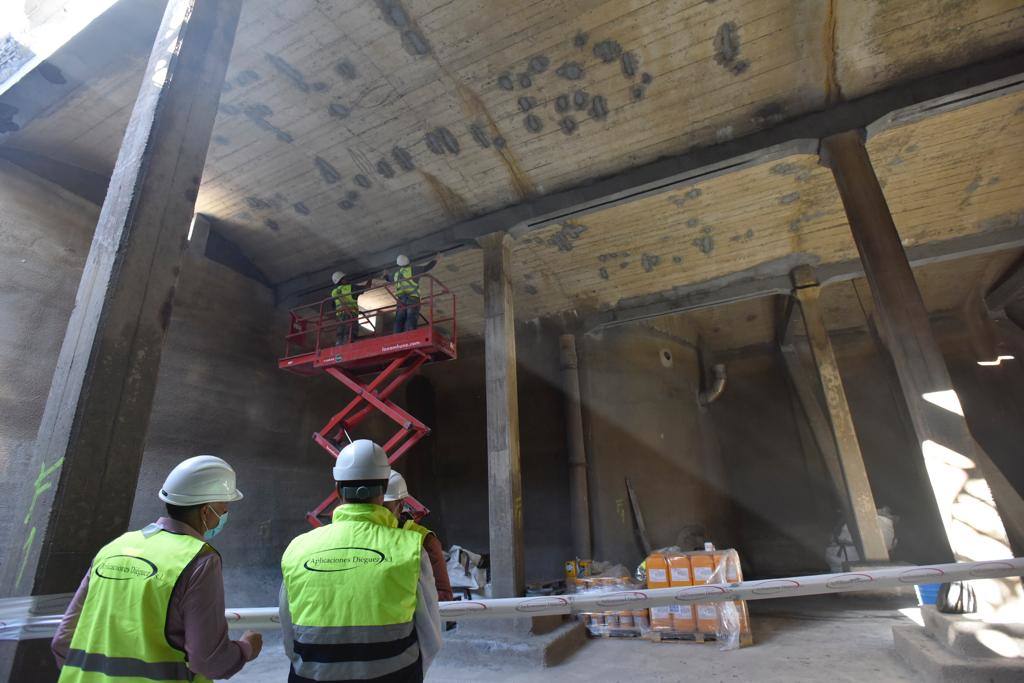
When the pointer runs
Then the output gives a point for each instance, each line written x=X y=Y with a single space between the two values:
x=394 y=359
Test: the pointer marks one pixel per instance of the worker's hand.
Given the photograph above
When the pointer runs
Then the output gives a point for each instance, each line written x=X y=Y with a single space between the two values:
x=255 y=641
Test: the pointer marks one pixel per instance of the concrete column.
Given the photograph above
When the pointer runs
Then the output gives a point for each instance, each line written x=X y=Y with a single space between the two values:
x=90 y=442
x=961 y=473
x=579 y=496
x=504 y=478
x=863 y=519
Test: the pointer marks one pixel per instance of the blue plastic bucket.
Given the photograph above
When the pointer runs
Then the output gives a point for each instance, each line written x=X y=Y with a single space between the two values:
x=927 y=593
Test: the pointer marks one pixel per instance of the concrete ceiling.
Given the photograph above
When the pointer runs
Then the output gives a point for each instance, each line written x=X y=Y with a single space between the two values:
x=347 y=129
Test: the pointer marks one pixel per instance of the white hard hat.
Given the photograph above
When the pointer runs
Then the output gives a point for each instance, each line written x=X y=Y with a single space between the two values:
x=336 y=277
x=402 y=260
x=361 y=460
x=397 y=490
x=202 y=479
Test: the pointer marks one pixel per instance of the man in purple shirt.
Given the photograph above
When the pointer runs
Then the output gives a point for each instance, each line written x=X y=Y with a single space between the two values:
x=197 y=493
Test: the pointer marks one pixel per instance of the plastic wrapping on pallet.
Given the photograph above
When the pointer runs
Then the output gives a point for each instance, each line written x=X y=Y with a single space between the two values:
x=726 y=622
x=612 y=623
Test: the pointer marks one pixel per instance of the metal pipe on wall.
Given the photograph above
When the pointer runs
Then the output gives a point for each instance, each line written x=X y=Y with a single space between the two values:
x=579 y=496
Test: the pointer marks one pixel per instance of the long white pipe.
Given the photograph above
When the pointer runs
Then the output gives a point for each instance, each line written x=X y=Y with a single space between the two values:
x=20 y=619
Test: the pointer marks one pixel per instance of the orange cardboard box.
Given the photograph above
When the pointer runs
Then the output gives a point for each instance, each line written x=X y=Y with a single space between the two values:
x=684 y=619
x=658 y=577
x=703 y=566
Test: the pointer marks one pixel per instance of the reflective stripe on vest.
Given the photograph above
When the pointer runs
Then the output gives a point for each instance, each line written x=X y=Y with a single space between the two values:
x=405 y=285
x=120 y=633
x=343 y=299
x=352 y=588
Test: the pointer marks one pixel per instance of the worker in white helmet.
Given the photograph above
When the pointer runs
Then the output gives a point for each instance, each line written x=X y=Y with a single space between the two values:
x=394 y=500
x=345 y=296
x=358 y=599
x=151 y=606
x=407 y=291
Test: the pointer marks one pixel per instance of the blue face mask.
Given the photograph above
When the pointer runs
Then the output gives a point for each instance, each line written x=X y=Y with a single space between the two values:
x=222 y=520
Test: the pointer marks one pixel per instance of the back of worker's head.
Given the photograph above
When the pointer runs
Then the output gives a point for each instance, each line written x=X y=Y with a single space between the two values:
x=396 y=494
x=361 y=472
x=336 y=276
x=402 y=260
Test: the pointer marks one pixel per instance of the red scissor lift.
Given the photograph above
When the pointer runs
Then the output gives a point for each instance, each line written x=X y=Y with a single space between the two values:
x=373 y=366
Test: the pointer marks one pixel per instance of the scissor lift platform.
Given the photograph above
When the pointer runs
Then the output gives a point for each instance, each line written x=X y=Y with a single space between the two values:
x=373 y=366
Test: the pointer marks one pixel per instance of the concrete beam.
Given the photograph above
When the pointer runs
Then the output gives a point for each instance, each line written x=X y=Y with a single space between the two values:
x=504 y=475
x=947 y=446
x=88 y=185
x=772 y=277
x=863 y=519
x=90 y=443
x=798 y=134
x=1010 y=287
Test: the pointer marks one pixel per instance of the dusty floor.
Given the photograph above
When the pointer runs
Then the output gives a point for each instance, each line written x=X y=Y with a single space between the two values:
x=811 y=639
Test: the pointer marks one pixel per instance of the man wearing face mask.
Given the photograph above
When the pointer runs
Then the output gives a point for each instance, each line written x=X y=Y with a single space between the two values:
x=151 y=606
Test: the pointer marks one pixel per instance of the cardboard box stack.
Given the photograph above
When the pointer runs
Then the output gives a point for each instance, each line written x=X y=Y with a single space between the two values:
x=612 y=623
x=695 y=568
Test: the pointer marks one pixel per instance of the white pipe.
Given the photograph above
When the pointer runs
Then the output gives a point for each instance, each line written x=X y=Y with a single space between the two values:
x=16 y=622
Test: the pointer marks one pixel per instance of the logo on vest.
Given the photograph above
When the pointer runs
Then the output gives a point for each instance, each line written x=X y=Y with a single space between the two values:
x=125 y=567
x=343 y=559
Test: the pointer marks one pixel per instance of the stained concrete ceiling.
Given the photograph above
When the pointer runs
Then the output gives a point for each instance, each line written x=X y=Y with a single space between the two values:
x=347 y=129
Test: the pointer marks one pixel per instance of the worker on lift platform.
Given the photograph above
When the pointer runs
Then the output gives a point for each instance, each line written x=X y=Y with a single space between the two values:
x=358 y=600
x=407 y=291
x=394 y=500
x=151 y=606
x=346 y=306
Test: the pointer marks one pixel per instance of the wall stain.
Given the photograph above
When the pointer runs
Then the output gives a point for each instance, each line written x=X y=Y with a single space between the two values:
x=602 y=273
x=524 y=80
x=338 y=110
x=562 y=104
x=362 y=181
x=649 y=262
x=293 y=75
x=442 y=141
x=692 y=222
x=677 y=260
x=727 y=48
x=221 y=140
x=568 y=125
x=477 y=288
x=385 y=169
x=533 y=123
x=608 y=51
x=539 y=64
x=580 y=100
x=800 y=173
x=611 y=256
x=402 y=158
x=272 y=224
x=743 y=237
x=505 y=82
x=479 y=135
x=301 y=209
x=474 y=108
x=258 y=113
x=691 y=194
x=571 y=71
x=247 y=77
x=580 y=40
x=396 y=16
x=772 y=112
x=630 y=63
x=568 y=233
x=530 y=289
x=260 y=204
x=796 y=223
x=329 y=174
x=527 y=103
x=51 y=73
x=833 y=91
x=346 y=70
x=452 y=203
x=705 y=244
x=789 y=198
x=598 y=108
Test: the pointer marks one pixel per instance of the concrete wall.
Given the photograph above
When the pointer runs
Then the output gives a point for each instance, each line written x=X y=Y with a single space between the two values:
x=44 y=237
x=220 y=392
x=640 y=386
x=454 y=484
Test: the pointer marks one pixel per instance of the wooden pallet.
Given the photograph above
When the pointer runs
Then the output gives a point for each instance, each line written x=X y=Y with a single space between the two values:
x=746 y=639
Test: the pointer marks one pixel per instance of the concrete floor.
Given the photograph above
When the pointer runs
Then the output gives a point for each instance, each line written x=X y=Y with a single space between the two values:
x=809 y=639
